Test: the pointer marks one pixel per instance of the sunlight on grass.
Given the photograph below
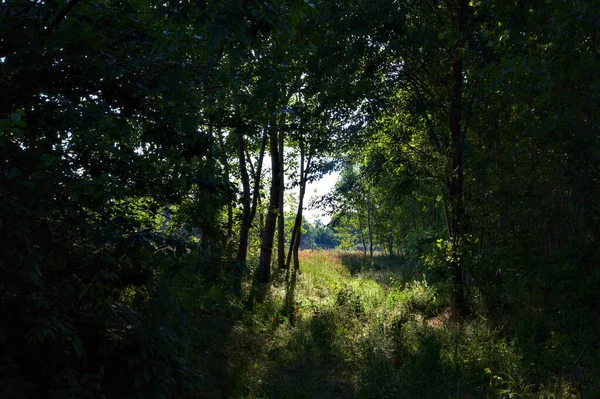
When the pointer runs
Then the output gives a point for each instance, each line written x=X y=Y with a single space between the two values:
x=372 y=328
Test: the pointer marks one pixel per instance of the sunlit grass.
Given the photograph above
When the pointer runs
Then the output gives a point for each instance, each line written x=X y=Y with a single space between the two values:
x=367 y=328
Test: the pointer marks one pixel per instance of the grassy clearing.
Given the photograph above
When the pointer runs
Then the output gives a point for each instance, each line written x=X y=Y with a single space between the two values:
x=367 y=329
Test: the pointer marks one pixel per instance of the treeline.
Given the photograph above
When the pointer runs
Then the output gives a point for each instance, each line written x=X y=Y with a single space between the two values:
x=319 y=236
x=135 y=137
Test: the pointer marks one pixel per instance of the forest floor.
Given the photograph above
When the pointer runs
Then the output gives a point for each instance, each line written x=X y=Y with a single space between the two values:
x=364 y=328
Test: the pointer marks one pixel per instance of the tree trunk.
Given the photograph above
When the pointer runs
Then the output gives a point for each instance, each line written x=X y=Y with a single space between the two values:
x=261 y=220
x=229 y=227
x=246 y=221
x=455 y=182
x=297 y=230
x=266 y=248
x=248 y=210
x=299 y=217
x=258 y=173
x=281 y=215
x=370 y=231
x=362 y=236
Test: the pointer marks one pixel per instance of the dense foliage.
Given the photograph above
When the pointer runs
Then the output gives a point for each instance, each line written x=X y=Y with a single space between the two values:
x=147 y=149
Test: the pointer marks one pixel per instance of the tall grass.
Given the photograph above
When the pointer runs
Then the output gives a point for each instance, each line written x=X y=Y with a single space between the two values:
x=372 y=328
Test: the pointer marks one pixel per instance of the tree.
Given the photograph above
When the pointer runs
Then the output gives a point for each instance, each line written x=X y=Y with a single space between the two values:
x=108 y=122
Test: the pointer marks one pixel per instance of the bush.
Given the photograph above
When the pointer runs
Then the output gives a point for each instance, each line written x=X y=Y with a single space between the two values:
x=414 y=295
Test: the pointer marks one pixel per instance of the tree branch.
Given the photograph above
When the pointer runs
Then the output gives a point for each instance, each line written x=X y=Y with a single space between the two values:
x=61 y=15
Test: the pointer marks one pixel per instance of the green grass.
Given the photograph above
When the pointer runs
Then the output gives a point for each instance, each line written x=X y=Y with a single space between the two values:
x=368 y=329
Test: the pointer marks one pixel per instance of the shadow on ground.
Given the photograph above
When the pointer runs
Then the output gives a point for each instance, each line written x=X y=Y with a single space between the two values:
x=356 y=262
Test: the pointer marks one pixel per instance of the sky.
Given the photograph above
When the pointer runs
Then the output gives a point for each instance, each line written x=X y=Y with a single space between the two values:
x=319 y=188
x=316 y=189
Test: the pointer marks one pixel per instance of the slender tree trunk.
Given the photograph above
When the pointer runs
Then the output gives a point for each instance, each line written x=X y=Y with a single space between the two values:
x=266 y=249
x=240 y=260
x=370 y=231
x=300 y=217
x=258 y=173
x=297 y=232
x=296 y=251
x=281 y=262
x=229 y=228
x=455 y=183
x=281 y=215
x=362 y=236
x=293 y=240
x=261 y=219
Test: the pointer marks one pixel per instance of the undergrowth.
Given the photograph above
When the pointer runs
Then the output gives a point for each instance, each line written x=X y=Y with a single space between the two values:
x=362 y=328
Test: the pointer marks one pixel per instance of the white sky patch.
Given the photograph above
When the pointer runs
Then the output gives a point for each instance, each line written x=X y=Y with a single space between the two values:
x=318 y=189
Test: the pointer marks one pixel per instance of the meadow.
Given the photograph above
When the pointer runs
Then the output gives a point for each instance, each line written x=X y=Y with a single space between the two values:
x=375 y=328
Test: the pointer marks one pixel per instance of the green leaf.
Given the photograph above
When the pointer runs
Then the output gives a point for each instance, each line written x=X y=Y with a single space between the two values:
x=15 y=116
x=48 y=159
x=5 y=124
